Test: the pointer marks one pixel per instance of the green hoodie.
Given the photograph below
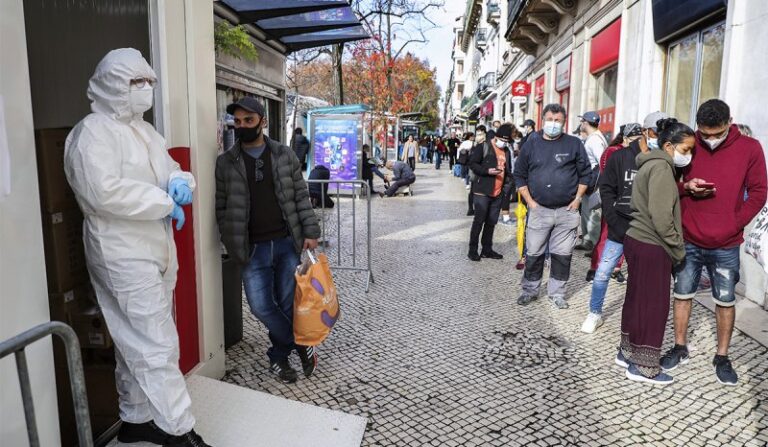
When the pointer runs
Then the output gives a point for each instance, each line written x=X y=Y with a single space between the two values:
x=656 y=205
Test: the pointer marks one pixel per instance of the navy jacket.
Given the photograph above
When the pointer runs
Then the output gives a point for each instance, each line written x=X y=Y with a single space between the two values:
x=553 y=169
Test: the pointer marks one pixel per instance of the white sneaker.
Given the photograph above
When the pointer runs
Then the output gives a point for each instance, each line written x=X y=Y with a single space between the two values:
x=466 y=187
x=592 y=322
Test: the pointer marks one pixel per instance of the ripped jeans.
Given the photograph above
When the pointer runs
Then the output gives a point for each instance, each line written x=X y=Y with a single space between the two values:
x=722 y=264
x=611 y=254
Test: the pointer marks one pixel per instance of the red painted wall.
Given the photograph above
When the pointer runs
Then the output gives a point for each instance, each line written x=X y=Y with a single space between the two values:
x=185 y=295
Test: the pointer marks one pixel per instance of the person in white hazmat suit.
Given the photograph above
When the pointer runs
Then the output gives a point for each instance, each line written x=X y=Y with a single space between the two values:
x=129 y=190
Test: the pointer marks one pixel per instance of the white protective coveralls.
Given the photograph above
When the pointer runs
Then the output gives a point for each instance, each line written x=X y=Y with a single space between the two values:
x=119 y=168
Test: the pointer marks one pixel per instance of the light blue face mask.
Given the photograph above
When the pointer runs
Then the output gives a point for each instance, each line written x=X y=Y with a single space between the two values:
x=653 y=143
x=553 y=129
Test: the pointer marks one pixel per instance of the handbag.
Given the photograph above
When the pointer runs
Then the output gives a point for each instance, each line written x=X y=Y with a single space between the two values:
x=316 y=303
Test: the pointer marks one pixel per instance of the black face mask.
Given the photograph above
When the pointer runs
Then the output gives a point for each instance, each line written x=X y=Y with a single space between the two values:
x=248 y=134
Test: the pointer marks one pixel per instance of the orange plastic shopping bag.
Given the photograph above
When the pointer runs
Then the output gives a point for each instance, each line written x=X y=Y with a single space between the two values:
x=315 y=305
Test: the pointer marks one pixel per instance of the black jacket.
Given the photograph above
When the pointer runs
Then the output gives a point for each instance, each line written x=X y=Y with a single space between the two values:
x=301 y=147
x=616 y=190
x=481 y=159
x=233 y=199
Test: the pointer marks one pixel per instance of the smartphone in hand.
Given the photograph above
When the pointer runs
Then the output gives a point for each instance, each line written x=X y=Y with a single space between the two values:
x=706 y=185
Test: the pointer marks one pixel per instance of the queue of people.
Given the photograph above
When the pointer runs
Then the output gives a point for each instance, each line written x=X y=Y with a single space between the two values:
x=670 y=201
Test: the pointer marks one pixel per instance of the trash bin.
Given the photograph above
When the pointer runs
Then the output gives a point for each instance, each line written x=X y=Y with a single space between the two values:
x=233 y=301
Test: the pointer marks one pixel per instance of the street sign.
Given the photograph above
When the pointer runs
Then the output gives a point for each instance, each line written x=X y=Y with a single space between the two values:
x=519 y=99
x=521 y=88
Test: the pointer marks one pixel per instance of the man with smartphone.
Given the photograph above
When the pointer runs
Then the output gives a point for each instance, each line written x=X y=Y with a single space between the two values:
x=725 y=165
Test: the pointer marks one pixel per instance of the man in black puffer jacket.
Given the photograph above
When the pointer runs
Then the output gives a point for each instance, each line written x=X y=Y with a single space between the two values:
x=265 y=219
x=491 y=164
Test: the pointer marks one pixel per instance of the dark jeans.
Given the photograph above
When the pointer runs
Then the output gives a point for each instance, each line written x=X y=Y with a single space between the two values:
x=471 y=200
x=451 y=160
x=438 y=161
x=412 y=162
x=269 y=287
x=397 y=184
x=486 y=215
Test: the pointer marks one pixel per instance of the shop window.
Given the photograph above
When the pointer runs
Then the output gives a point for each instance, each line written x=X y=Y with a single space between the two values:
x=606 y=100
x=694 y=65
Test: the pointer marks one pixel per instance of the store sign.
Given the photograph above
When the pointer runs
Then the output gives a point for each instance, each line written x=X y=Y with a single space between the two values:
x=563 y=74
x=604 y=49
x=521 y=88
x=519 y=99
x=607 y=121
x=538 y=89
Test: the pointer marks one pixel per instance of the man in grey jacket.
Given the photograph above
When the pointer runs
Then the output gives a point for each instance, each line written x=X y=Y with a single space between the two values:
x=402 y=175
x=266 y=219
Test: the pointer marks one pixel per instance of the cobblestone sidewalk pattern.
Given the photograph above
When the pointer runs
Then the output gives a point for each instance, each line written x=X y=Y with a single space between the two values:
x=438 y=353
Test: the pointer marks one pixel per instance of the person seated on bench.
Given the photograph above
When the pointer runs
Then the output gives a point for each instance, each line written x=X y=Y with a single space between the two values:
x=402 y=175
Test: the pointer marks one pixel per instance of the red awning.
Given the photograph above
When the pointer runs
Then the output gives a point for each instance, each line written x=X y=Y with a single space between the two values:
x=604 y=50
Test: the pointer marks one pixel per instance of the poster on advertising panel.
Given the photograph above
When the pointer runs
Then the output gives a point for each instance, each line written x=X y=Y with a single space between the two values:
x=336 y=144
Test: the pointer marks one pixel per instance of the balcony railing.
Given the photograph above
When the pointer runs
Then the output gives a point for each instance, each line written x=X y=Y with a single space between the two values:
x=493 y=12
x=485 y=84
x=481 y=38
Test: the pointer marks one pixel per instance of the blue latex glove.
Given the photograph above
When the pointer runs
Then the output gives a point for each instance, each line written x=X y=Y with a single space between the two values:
x=180 y=191
x=178 y=215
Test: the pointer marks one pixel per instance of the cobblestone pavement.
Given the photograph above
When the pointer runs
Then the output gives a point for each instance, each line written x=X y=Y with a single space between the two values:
x=439 y=354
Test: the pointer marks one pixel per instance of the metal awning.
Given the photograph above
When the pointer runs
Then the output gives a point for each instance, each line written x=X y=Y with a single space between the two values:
x=311 y=40
x=300 y=24
x=250 y=11
x=309 y=22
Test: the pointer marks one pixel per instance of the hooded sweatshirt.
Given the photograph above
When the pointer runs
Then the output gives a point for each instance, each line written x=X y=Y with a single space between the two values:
x=616 y=190
x=736 y=166
x=656 y=205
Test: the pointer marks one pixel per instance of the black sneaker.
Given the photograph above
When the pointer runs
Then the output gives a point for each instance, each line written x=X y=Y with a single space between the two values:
x=586 y=246
x=473 y=256
x=724 y=371
x=491 y=255
x=283 y=370
x=676 y=356
x=618 y=277
x=590 y=276
x=308 y=358
x=146 y=432
x=189 y=439
x=525 y=300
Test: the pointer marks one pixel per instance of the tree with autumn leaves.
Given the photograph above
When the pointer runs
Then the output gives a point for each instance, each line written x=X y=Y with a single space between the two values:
x=405 y=84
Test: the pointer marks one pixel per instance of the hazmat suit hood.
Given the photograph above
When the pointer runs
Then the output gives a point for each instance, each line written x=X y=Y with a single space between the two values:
x=109 y=86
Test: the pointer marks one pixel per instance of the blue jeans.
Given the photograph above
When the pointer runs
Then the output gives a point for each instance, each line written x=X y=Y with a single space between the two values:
x=423 y=154
x=611 y=255
x=722 y=264
x=269 y=287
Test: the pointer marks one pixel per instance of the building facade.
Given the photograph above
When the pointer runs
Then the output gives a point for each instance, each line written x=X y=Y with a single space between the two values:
x=622 y=58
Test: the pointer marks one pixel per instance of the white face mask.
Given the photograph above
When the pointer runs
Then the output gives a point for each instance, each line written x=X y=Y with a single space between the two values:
x=553 y=129
x=713 y=144
x=681 y=160
x=501 y=144
x=140 y=99
x=653 y=143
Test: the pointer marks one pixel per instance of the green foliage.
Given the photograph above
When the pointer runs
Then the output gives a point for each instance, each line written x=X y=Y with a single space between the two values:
x=234 y=41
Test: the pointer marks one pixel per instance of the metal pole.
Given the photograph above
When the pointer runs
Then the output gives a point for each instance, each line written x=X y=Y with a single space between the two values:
x=354 y=218
x=338 y=223
x=26 y=397
x=369 y=280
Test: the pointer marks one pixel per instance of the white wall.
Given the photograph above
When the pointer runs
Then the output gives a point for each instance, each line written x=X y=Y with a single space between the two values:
x=190 y=80
x=744 y=86
x=22 y=269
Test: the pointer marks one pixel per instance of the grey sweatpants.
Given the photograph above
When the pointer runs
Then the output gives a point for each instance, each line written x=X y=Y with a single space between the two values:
x=556 y=228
